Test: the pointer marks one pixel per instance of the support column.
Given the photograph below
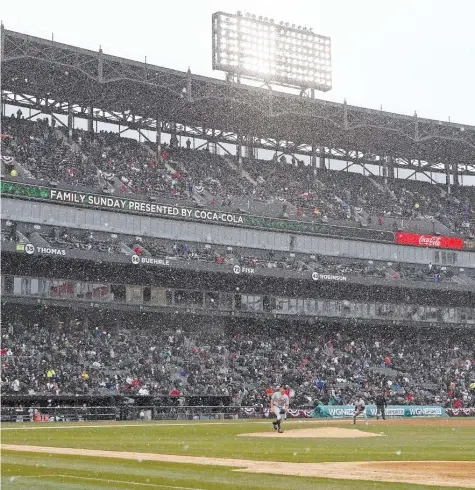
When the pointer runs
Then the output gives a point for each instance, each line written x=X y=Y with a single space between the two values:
x=214 y=146
x=455 y=174
x=100 y=66
x=90 y=119
x=313 y=158
x=322 y=164
x=391 y=175
x=158 y=136
x=70 y=120
x=385 y=170
x=188 y=86
x=447 y=177
x=239 y=149
x=248 y=150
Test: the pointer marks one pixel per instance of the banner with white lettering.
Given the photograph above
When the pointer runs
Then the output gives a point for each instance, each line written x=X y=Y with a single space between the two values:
x=143 y=207
x=149 y=208
x=430 y=241
x=118 y=203
x=138 y=259
x=317 y=276
x=30 y=249
x=347 y=411
x=238 y=269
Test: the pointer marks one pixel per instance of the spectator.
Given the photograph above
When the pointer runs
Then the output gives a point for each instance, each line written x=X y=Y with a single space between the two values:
x=328 y=363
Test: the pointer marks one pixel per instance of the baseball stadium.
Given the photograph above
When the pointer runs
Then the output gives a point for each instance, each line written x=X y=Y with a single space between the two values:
x=229 y=280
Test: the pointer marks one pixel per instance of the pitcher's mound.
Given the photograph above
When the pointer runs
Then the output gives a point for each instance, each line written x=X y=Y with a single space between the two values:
x=329 y=432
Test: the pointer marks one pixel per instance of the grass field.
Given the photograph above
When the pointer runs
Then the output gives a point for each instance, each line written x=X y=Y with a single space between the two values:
x=275 y=461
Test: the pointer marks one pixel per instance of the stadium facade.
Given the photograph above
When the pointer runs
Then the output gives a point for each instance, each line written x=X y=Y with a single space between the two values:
x=42 y=277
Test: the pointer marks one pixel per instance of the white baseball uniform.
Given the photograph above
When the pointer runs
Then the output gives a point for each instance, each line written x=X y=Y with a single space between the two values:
x=360 y=407
x=280 y=402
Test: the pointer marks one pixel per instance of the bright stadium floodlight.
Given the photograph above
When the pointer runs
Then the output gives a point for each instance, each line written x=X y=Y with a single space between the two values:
x=262 y=50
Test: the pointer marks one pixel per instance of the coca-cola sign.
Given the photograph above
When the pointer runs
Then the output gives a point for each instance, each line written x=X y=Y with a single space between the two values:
x=429 y=241
x=432 y=241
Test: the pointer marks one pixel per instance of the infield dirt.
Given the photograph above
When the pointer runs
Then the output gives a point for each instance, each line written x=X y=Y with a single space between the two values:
x=328 y=432
x=443 y=473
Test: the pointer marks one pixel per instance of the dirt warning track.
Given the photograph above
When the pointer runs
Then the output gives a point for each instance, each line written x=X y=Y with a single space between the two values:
x=443 y=473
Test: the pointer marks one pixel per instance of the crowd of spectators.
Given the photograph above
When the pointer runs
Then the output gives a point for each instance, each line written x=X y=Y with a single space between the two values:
x=206 y=172
x=346 y=195
x=180 y=172
x=82 y=240
x=327 y=364
x=70 y=238
x=295 y=184
x=44 y=153
x=131 y=164
x=410 y=199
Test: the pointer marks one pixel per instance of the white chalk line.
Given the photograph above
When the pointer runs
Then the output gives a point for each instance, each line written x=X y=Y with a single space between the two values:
x=107 y=480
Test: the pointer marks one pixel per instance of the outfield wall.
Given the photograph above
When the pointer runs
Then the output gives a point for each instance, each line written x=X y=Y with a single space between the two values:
x=154 y=412
x=126 y=413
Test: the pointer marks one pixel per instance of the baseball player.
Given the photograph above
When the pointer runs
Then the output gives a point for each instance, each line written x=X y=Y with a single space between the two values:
x=360 y=408
x=279 y=404
x=381 y=406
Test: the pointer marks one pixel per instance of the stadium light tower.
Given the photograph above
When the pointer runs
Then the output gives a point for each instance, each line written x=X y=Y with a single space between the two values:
x=259 y=49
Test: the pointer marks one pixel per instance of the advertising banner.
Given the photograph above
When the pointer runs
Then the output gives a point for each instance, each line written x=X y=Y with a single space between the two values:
x=148 y=208
x=347 y=411
x=433 y=241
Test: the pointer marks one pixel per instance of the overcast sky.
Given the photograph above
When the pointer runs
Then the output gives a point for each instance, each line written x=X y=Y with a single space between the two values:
x=404 y=55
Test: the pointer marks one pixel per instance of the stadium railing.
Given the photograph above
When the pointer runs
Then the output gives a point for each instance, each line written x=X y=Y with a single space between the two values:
x=124 y=413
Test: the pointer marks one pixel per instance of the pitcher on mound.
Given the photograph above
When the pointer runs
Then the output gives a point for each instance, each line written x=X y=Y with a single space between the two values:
x=279 y=404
